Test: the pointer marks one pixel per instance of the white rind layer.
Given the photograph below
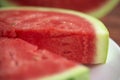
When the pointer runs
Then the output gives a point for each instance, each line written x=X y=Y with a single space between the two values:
x=102 y=34
x=98 y=12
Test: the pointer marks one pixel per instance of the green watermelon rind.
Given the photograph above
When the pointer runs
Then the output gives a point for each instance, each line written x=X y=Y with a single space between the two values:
x=102 y=33
x=98 y=12
x=75 y=73
x=5 y=3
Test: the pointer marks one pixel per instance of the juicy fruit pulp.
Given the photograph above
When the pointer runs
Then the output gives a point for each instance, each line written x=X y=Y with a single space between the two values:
x=20 y=60
x=81 y=5
x=57 y=32
x=73 y=35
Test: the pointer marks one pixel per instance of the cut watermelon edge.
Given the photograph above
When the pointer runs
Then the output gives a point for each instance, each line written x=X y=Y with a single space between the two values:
x=102 y=40
x=102 y=34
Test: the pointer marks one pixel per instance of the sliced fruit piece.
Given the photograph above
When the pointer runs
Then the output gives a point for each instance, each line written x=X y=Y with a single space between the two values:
x=73 y=35
x=97 y=8
x=20 y=60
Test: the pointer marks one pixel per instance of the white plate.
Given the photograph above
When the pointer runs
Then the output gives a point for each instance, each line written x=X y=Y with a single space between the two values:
x=110 y=70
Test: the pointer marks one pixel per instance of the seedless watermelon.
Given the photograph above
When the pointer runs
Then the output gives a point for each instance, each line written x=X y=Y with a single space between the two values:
x=97 y=8
x=20 y=60
x=73 y=35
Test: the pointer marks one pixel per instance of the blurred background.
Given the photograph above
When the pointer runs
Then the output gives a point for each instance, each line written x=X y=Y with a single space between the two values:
x=112 y=22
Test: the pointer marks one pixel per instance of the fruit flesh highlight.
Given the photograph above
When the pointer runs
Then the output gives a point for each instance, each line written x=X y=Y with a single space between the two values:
x=55 y=32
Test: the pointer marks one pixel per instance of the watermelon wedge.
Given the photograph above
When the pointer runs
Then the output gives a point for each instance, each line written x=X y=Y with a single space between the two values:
x=20 y=60
x=97 y=8
x=73 y=35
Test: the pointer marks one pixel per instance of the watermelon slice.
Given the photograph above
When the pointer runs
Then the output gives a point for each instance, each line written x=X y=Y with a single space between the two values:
x=73 y=35
x=97 y=8
x=20 y=60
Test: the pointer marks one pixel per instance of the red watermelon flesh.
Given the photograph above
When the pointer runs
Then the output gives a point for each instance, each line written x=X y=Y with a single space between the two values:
x=81 y=5
x=57 y=32
x=20 y=60
x=64 y=34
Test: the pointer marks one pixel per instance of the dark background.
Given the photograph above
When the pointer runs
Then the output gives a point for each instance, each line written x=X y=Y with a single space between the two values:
x=112 y=22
